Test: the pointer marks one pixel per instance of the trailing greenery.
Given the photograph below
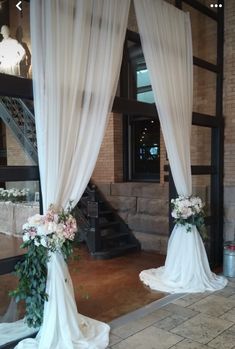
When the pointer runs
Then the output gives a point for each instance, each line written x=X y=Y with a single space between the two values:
x=42 y=235
x=32 y=274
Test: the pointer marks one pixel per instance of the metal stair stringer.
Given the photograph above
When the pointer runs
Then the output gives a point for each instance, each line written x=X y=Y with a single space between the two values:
x=17 y=116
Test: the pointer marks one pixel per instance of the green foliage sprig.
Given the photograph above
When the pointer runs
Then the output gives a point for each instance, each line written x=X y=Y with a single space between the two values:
x=42 y=235
x=32 y=275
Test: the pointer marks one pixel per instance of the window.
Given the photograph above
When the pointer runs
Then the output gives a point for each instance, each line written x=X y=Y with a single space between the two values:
x=144 y=89
x=141 y=130
x=145 y=149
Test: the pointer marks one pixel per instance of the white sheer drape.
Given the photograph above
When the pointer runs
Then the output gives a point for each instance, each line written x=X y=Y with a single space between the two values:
x=76 y=54
x=77 y=51
x=167 y=45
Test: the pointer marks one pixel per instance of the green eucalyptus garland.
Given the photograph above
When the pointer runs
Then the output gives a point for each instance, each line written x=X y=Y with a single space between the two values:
x=42 y=235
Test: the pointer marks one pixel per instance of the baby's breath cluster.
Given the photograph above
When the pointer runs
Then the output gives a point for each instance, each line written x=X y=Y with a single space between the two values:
x=13 y=195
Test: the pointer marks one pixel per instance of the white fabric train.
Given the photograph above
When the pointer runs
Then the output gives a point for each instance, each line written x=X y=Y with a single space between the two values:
x=186 y=268
x=76 y=331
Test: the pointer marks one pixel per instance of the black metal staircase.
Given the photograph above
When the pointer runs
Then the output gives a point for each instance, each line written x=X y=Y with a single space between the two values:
x=105 y=233
x=19 y=117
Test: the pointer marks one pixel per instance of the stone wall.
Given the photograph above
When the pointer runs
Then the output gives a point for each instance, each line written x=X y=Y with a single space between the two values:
x=144 y=207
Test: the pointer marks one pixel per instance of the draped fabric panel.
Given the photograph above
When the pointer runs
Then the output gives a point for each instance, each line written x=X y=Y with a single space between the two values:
x=77 y=50
x=76 y=55
x=167 y=45
x=166 y=39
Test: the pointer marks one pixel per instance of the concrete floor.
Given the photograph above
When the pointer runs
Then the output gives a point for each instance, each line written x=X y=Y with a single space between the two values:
x=104 y=289
x=112 y=286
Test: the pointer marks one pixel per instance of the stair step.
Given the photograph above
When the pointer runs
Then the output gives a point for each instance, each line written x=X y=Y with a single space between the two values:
x=114 y=236
x=104 y=212
x=108 y=224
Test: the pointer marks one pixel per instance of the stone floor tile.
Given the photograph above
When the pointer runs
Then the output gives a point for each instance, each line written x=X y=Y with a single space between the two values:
x=213 y=305
x=228 y=291
x=230 y=315
x=225 y=340
x=114 y=339
x=170 y=322
x=179 y=310
x=189 y=344
x=202 y=328
x=132 y=327
x=231 y=282
x=149 y=338
x=232 y=298
x=191 y=298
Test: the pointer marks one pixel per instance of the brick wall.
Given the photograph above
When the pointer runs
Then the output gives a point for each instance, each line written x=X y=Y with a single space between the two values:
x=109 y=166
x=229 y=115
x=16 y=156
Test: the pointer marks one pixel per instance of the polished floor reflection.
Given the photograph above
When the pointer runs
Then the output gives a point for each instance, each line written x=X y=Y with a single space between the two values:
x=113 y=286
x=104 y=289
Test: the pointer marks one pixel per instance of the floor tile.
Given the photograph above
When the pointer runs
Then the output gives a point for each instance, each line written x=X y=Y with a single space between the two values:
x=231 y=282
x=114 y=339
x=230 y=315
x=225 y=340
x=226 y=292
x=202 y=328
x=189 y=344
x=135 y=326
x=213 y=305
x=179 y=310
x=170 y=322
x=190 y=299
x=150 y=338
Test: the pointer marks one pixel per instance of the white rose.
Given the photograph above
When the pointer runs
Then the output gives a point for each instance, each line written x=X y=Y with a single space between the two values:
x=186 y=212
x=35 y=220
x=44 y=241
x=60 y=229
x=41 y=230
x=36 y=243
x=52 y=226
x=26 y=226
x=25 y=237
x=174 y=214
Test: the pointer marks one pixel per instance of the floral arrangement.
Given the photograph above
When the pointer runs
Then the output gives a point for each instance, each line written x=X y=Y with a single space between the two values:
x=13 y=195
x=189 y=211
x=42 y=235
